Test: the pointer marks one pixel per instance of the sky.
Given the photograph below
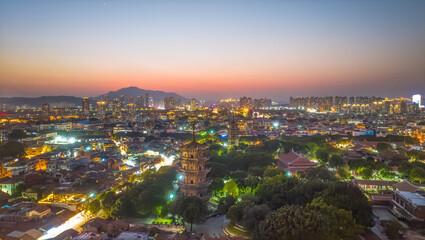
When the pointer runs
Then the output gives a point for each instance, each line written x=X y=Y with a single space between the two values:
x=213 y=49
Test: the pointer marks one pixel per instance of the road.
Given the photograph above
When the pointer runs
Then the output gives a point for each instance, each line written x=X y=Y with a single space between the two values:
x=213 y=227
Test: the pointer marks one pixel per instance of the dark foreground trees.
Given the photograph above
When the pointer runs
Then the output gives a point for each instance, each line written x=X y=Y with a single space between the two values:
x=316 y=221
x=191 y=209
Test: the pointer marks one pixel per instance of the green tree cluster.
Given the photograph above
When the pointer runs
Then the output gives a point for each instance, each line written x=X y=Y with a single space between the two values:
x=145 y=196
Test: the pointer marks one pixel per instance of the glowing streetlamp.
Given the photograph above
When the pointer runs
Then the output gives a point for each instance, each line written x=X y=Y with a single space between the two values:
x=171 y=196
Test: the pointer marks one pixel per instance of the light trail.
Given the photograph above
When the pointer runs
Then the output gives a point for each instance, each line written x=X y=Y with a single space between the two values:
x=75 y=222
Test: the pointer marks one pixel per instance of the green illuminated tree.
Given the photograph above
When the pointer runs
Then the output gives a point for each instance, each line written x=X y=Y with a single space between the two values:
x=231 y=188
x=94 y=206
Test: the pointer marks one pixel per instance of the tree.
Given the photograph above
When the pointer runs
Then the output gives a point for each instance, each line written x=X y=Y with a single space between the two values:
x=217 y=170
x=382 y=147
x=387 y=173
x=191 y=209
x=225 y=203
x=243 y=146
x=12 y=149
x=336 y=161
x=94 y=206
x=346 y=196
x=321 y=173
x=367 y=173
x=342 y=172
x=318 y=221
x=415 y=171
x=239 y=176
x=108 y=199
x=17 y=134
x=231 y=188
x=123 y=207
x=393 y=229
x=256 y=171
x=322 y=155
x=277 y=191
x=340 y=223
x=273 y=171
x=235 y=212
x=417 y=174
x=216 y=186
x=17 y=191
x=253 y=215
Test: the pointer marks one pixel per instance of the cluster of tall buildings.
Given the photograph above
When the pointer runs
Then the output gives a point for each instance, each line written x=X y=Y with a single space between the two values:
x=130 y=104
x=171 y=103
x=262 y=103
x=358 y=104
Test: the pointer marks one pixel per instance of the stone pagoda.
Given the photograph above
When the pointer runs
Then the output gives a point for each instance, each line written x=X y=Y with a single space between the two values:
x=193 y=167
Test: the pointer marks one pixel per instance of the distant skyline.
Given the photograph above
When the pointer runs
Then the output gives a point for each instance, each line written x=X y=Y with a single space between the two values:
x=213 y=49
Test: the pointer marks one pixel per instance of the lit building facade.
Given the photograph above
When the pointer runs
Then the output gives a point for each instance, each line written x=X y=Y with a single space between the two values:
x=86 y=106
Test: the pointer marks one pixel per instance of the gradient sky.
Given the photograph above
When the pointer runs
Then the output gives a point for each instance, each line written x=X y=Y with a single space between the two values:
x=213 y=49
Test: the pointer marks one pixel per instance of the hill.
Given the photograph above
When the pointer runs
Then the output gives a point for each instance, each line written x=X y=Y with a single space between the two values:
x=38 y=101
x=135 y=91
x=77 y=101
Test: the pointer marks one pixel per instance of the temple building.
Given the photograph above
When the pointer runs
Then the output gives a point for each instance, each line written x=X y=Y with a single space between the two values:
x=193 y=167
x=294 y=162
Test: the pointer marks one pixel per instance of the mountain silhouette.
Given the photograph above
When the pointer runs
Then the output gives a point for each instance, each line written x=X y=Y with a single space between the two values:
x=135 y=91
x=77 y=101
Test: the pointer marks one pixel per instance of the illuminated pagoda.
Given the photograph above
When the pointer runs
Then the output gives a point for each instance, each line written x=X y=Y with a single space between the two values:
x=233 y=138
x=193 y=168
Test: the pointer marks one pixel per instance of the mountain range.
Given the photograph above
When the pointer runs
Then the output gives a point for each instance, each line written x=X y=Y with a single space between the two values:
x=135 y=91
x=129 y=91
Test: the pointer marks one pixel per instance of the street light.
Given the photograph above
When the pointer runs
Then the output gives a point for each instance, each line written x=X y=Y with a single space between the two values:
x=180 y=177
x=171 y=196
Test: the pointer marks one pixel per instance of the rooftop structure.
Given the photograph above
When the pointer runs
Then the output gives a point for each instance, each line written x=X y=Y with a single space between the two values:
x=294 y=162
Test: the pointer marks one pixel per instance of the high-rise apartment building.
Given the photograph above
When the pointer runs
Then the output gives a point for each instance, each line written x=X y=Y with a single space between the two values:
x=101 y=107
x=262 y=103
x=116 y=106
x=121 y=98
x=46 y=109
x=147 y=99
x=140 y=102
x=245 y=102
x=86 y=106
x=107 y=101
x=193 y=104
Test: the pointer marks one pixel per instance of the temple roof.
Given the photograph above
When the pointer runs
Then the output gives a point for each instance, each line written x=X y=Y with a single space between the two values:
x=293 y=160
x=406 y=186
x=193 y=145
x=289 y=157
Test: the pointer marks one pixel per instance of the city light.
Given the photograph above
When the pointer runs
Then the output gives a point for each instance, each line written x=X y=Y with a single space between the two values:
x=73 y=223
x=171 y=196
x=64 y=140
x=417 y=99
x=130 y=163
